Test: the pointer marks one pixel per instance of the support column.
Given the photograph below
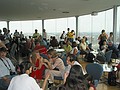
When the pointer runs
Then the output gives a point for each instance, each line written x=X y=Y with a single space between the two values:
x=114 y=23
x=8 y=25
x=42 y=26
x=76 y=26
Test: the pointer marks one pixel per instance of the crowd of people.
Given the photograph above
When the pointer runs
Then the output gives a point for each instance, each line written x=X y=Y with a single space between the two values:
x=44 y=62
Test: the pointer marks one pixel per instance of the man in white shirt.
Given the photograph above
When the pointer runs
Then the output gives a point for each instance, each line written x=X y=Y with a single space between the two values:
x=24 y=81
x=6 y=69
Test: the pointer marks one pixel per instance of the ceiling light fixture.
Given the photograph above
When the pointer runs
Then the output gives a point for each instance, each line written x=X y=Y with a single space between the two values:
x=65 y=12
x=94 y=13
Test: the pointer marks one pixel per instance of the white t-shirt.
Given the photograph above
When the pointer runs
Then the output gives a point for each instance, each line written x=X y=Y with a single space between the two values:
x=73 y=50
x=23 y=82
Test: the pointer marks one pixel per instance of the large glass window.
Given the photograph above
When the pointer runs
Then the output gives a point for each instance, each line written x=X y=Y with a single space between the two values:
x=27 y=27
x=54 y=27
x=118 y=25
x=91 y=26
x=3 y=24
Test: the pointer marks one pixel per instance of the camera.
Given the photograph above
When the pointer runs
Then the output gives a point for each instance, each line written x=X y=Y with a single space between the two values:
x=12 y=73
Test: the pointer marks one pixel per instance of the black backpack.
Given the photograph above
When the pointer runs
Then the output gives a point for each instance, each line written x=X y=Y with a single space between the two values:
x=112 y=78
x=90 y=57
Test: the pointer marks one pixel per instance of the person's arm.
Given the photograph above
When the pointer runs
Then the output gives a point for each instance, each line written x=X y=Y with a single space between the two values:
x=91 y=88
x=87 y=48
x=99 y=37
x=47 y=63
x=40 y=63
x=65 y=76
x=45 y=81
x=75 y=51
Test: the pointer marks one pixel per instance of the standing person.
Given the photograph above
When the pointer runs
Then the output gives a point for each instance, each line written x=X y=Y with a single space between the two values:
x=44 y=35
x=24 y=81
x=71 y=36
x=103 y=36
x=68 y=31
x=7 y=69
x=16 y=34
x=21 y=35
x=36 y=34
x=110 y=38
x=62 y=37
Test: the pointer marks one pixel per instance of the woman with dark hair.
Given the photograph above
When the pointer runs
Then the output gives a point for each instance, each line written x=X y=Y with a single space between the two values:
x=75 y=80
x=23 y=81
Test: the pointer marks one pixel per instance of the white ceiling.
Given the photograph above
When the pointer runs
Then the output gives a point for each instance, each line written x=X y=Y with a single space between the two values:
x=12 y=10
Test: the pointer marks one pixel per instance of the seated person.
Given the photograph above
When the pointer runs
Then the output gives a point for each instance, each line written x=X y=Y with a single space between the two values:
x=39 y=66
x=104 y=46
x=57 y=66
x=7 y=69
x=54 y=42
x=71 y=60
x=74 y=49
x=24 y=81
x=84 y=49
x=112 y=46
x=75 y=80
x=67 y=47
x=41 y=48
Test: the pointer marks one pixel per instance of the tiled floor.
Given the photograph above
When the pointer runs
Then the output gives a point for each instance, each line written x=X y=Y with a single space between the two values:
x=103 y=86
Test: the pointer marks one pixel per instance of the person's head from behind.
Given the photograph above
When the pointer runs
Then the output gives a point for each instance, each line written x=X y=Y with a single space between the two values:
x=70 y=59
x=3 y=52
x=36 y=30
x=75 y=79
x=76 y=71
x=74 y=44
x=103 y=31
x=68 y=29
x=24 y=67
x=44 y=30
x=111 y=34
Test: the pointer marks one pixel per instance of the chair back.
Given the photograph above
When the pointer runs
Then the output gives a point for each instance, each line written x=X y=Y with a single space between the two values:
x=108 y=55
x=95 y=70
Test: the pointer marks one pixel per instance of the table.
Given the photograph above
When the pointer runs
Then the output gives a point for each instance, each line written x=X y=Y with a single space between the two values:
x=107 y=68
x=94 y=52
x=59 y=50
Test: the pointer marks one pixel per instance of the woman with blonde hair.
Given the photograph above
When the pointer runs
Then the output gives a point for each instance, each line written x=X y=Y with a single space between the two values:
x=39 y=65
